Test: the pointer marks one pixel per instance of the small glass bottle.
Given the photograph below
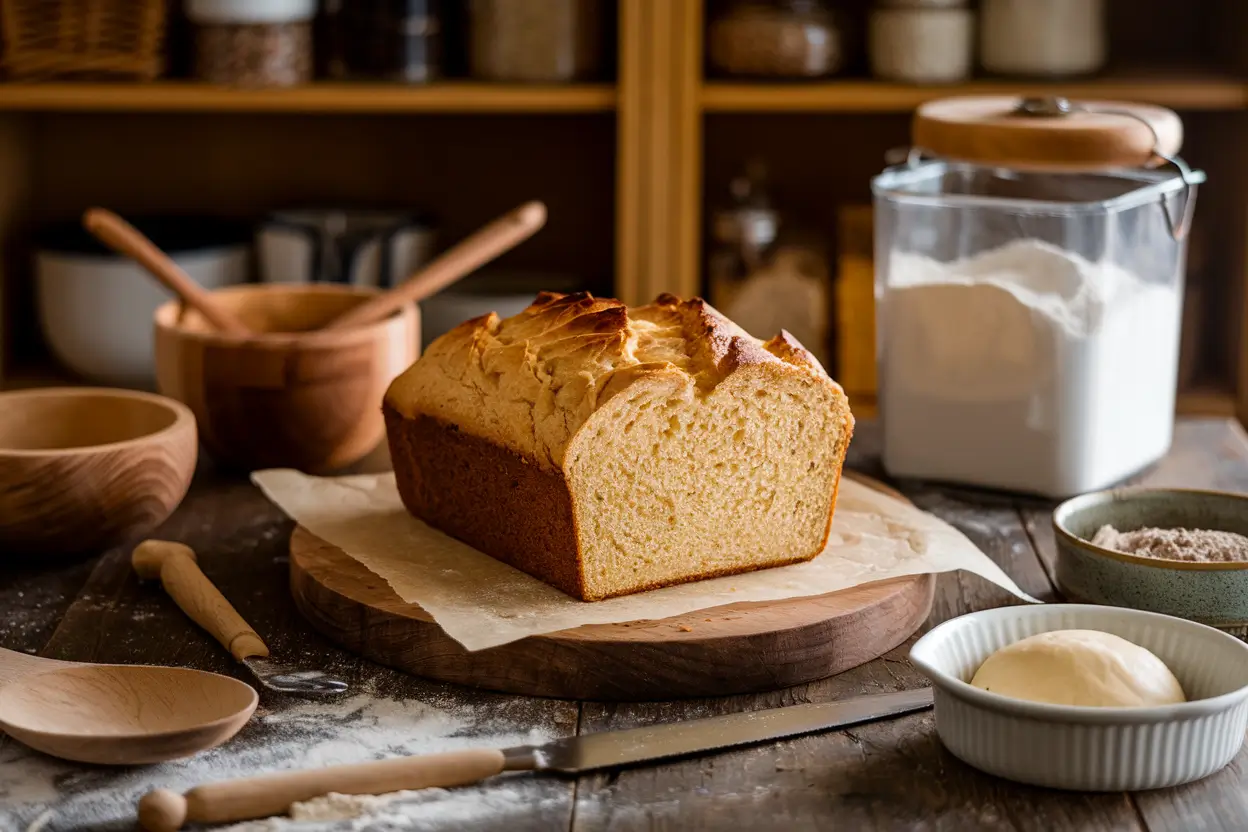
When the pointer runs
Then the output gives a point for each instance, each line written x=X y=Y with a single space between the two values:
x=743 y=236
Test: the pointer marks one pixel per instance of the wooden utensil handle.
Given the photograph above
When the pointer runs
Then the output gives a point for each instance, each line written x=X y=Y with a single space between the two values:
x=262 y=797
x=124 y=238
x=174 y=564
x=503 y=234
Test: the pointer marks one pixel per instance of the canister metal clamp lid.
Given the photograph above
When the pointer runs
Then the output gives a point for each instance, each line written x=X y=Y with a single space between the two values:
x=1055 y=134
x=1059 y=107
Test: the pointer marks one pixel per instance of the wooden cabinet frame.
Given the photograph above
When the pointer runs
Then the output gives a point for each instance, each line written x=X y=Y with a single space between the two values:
x=649 y=192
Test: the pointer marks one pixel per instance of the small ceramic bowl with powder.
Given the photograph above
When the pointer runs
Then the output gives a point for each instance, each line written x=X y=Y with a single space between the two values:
x=1173 y=551
x=1040 y=694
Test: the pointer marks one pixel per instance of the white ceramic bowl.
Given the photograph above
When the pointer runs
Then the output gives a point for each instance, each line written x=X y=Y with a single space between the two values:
x=96 y=307
x=1089 y=749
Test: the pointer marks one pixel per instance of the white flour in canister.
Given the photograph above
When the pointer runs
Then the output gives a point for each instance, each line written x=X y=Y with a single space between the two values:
x=1025 y=368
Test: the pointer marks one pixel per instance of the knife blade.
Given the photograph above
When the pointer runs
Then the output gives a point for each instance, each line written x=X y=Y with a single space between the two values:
x=589 y=752
x=284 y=678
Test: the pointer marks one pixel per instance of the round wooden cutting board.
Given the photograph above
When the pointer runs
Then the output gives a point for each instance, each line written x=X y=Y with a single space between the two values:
x=738 y=648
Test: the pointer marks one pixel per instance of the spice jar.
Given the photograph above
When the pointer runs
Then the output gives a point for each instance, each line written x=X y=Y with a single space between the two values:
x=388 y=40
x=253 y=43
x=1029 y=286
x=776 y=39
x=921 y=41
x=1043 y=38
x=535 y=41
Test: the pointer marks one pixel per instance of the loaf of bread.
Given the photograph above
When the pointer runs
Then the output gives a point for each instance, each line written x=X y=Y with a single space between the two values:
x=607 y=450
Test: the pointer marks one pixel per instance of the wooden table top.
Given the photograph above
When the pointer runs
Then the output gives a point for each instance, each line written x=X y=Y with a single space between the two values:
x=883 y=776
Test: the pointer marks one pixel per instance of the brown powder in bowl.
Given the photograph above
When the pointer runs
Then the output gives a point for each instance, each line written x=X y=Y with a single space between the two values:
x=1198 y=545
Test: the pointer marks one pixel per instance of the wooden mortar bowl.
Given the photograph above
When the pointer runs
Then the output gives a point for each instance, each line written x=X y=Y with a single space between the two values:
x=84 y=469
x=286 y=396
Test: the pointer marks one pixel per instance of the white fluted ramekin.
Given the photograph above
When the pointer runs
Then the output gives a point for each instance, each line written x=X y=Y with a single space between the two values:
x=1080 y=748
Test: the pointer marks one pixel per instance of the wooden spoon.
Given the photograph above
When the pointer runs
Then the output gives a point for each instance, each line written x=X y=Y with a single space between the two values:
x=503 y=234
x=124 y=238
x=118 y=714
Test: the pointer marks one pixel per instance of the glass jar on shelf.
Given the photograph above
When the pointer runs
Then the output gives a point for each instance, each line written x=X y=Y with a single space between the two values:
x=1029 y=284
x=253 y=43
x=384 y=40
x=536 y=41
x=764 y=280
x=1043 y=38
x=777 y=39
x=742 y=237
x=921 y=41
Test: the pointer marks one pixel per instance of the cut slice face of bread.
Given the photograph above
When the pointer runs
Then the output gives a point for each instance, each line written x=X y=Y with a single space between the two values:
x=652 y=445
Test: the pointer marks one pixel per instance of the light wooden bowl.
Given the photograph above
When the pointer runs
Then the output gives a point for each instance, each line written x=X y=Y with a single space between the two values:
x=83 y=469
x=287 y=397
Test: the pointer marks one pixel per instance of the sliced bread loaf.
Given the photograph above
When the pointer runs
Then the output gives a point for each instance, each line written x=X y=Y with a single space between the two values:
x=608 y=450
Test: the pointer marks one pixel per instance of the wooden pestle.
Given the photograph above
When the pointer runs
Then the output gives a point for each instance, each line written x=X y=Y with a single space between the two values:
x=175 y=566
x=485 y=244
x=261 y=797
x=123 y=238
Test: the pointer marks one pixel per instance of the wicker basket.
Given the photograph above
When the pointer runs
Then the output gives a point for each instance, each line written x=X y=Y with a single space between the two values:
x=83 y=38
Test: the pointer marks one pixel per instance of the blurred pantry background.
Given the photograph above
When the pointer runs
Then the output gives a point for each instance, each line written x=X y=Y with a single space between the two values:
x=722 y=147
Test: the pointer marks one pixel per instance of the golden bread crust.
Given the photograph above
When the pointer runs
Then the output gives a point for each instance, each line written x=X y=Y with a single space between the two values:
x=530 y=382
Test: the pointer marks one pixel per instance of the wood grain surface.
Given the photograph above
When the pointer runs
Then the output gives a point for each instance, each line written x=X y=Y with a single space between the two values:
x=738 y=648
x=892 y=775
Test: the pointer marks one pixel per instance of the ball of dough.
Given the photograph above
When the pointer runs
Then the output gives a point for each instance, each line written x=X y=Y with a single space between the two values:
x=1079 y=667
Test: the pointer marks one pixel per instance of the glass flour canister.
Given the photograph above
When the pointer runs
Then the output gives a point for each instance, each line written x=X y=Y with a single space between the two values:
x=1029 y=290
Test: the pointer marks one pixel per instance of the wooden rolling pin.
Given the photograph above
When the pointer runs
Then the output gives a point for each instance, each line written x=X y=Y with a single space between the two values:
x=261 y=797
x=124 y=238
x=503 y=234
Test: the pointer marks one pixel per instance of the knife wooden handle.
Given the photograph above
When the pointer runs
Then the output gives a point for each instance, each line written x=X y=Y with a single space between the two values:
x=261 y=797
x=174 y=564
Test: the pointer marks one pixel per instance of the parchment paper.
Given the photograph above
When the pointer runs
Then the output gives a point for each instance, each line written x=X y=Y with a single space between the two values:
x=482 y=603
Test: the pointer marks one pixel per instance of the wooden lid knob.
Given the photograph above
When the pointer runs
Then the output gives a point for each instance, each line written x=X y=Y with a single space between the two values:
x=1046 y=134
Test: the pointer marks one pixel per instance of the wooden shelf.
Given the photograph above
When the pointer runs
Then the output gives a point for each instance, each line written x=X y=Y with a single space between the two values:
x=1186 y=93
x=172 y=97
x=1208 y=93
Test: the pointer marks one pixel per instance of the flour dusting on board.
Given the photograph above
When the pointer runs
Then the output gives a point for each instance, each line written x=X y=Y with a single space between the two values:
x=297 y=734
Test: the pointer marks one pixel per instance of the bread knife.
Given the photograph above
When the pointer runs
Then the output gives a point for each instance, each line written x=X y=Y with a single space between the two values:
x=258 y=797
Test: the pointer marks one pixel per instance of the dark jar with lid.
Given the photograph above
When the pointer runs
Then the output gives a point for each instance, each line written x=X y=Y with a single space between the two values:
x=383 y=40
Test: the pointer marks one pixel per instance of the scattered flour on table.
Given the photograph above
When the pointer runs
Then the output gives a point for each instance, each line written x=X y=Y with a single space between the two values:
x=361 y=727
x=426 y=809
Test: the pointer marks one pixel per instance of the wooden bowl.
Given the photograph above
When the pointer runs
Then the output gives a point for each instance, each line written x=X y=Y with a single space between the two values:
x=288 y=396
x=83 y=469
